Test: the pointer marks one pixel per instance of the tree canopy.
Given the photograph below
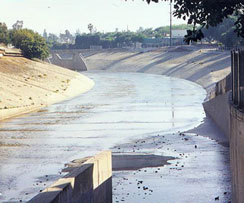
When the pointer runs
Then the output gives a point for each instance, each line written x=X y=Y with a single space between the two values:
x=31 y=43
x=4 y=34
x=208 y=13
x=223 y=34
x=115 y=39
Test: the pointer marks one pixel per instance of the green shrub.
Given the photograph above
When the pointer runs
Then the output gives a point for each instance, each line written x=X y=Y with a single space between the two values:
x=31 y=44
x=4 y=34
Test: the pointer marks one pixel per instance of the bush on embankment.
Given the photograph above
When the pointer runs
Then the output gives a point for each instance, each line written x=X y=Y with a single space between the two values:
x=4 y=33
x=31 y=43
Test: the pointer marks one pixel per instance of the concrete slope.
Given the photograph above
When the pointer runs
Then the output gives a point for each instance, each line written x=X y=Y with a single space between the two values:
x=205 y=66
x=201 y=65
x=28 y=85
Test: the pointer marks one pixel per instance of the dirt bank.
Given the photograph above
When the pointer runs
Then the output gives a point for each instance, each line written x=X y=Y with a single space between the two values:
x=28 y=85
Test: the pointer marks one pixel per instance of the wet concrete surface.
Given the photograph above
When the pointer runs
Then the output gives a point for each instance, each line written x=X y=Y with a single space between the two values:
x=121 y=110
x=199 y=173
x=136 y=161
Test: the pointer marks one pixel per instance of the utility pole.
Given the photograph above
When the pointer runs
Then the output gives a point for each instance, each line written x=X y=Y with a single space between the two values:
x=170 y=22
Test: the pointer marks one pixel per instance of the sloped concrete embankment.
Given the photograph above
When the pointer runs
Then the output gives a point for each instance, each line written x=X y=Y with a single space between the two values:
x=204 y=66
x=28 y=85
x=200 y=65
x=89 y=182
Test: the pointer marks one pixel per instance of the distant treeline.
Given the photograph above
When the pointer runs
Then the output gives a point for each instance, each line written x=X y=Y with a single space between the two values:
x=109 y=40
x=114 y=39
x=33 y=45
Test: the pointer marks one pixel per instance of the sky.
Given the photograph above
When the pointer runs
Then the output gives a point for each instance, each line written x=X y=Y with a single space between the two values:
x=106 y=15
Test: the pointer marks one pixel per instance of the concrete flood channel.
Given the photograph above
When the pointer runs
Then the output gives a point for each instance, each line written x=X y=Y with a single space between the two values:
x=143 y=119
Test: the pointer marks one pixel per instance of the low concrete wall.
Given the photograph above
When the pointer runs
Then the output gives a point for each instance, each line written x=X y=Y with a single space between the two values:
x=89 y=183
x=218 y=110
x=10 y=52
x=224 y=85
x=217 y=107
x=237 y=153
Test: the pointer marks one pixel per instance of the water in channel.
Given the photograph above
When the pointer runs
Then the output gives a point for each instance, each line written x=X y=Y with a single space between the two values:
x=121 y=107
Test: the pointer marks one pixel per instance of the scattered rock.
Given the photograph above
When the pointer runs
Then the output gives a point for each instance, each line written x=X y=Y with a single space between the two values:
x=216 y=198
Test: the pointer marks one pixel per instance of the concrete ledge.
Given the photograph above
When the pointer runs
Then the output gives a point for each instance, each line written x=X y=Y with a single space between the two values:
x=10 y=52
x=90 y=183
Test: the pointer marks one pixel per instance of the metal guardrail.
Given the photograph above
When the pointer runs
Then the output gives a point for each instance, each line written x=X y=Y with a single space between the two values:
x=237 y=73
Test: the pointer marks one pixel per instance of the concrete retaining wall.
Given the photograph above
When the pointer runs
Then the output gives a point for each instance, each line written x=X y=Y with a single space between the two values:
x=223 y=86
x=218 y=110
x=237 y=153
x=90 y=183
x=71 y=59
x=10 y=52
x=217 y=107
x=231 y=121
